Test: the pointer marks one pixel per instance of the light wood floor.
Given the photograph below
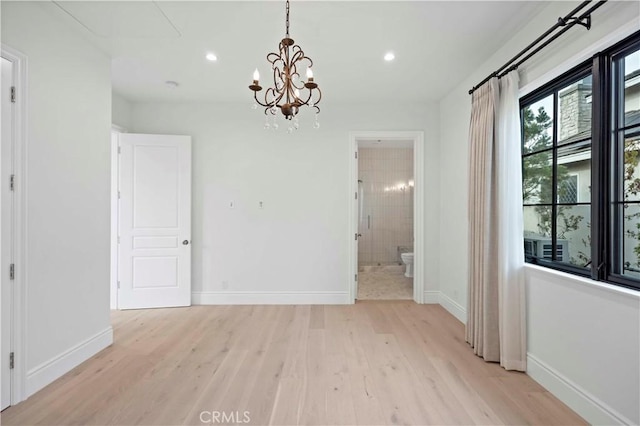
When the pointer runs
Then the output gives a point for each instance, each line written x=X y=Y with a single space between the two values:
x=370 y=363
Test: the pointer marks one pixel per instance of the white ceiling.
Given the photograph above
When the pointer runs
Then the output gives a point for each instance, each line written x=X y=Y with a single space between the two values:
x=436 y=44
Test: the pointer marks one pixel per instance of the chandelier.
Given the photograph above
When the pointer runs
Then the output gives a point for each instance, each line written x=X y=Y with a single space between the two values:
x=286 y=93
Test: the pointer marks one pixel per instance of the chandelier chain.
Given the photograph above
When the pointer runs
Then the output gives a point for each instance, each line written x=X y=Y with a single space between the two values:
x=287 y=18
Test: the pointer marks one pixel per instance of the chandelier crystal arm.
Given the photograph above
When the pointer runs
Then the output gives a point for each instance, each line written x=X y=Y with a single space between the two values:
x=298 y=56
x=255 y=97
x=277 y=79
x=308 y=98
x=317 y=101
x=275 y=98
x=301 y=87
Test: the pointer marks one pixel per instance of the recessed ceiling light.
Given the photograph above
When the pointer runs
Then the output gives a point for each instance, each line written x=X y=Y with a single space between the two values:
x=389 y=56
x=211 y=57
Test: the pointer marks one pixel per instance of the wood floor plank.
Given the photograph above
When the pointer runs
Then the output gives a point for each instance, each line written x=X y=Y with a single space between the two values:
x=372 y=363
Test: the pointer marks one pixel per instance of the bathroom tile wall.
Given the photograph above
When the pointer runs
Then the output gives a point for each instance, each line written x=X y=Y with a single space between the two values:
x=386 y=204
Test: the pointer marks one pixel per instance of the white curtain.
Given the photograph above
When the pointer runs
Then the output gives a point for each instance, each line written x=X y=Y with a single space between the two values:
x=496 y=304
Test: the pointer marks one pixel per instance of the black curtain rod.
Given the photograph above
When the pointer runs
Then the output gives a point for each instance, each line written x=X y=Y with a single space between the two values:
x=567 y=22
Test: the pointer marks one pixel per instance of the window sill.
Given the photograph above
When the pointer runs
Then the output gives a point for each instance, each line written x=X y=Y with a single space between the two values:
x=544 y=272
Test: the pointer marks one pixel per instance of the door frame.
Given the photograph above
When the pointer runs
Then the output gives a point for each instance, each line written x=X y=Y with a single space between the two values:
x=19 y=301
x=418 y=206
x=115 y=216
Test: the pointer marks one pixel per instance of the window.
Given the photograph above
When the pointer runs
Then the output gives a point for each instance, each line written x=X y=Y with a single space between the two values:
x=556 y=150
x=625 y=142
x=581 y=168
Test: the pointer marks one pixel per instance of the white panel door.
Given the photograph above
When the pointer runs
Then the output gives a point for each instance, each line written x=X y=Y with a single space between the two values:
x=155 y=221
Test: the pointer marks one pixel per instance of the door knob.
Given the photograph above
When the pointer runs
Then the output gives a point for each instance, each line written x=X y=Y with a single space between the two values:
x=185 y=242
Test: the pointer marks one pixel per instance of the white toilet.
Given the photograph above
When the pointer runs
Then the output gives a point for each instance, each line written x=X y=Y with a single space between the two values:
x=407 y=259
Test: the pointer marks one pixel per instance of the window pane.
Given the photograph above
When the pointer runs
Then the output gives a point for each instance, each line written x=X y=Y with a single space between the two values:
x=631 y=241
x=537 y=176
x=632 y=89
x=573 y=225
x=574 y=111
x=537 y=221
x=574 y=173
x=631 y=167
x=537 y=232
x=537 y=125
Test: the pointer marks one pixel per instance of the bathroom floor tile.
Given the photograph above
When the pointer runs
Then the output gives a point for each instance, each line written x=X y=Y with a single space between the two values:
x=384 y=283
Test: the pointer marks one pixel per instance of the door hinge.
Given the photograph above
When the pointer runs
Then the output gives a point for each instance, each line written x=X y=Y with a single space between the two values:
x=355 y=277
x=118 y=283
x=12 y=271
x=11 y=361
x=356 y=154
x=356 y=195
x=119 y=150
x=356 y=236
x=13 y=94
x=12 y=182
x=118 y=195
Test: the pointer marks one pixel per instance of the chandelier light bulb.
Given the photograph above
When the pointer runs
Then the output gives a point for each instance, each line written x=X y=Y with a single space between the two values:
x=256 y=75
x=309 y=74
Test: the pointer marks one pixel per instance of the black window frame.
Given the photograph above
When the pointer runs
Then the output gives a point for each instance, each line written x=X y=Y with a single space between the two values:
x=614 y=117
x=607 y=114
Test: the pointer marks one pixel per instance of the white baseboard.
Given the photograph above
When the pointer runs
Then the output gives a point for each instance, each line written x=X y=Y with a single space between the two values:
x=431 y=297
x=269 y=298
x=48 y=371
x=453 y=307
x=578 y=399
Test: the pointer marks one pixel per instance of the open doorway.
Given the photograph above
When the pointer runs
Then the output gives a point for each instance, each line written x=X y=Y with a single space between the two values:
x=387 y=215
x=385 y=219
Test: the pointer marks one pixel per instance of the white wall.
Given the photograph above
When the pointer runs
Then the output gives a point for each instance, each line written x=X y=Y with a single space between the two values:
x=121 y=110
x=585 y=335
x=67 y=188
x=577 y=299
x=295 y=248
